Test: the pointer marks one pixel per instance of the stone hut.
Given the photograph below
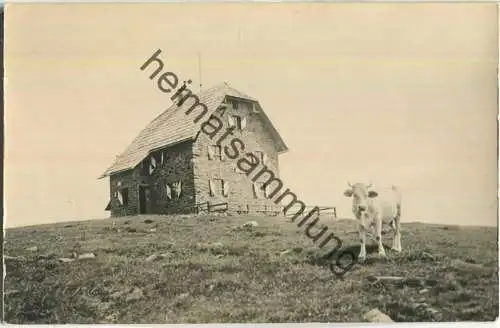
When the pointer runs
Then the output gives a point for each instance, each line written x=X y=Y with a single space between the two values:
x=177 y=165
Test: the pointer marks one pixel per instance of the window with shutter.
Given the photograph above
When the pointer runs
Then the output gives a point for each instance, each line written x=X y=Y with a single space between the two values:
x=255 y=109
x=178 y=189
x=267 y=190
x=217 y=151
x=255 y=191
x=264 y=159
x=210 y=152
x=259 y=190
x=230 y=121
x=237 y=122
x=222 y=109
x=144 y=167
x=122 y=196
x=124 y=193
x=168 y=191
x=119 y=197
x=225 y=188
x=257 y=158
x=211 y=187
x=152 y=164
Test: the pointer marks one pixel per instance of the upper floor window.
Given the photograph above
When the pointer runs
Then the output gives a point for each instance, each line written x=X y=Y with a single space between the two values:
x=215 y=152
x=240 y=123
x=237 y=121
x=260 y=156
x=152 y=164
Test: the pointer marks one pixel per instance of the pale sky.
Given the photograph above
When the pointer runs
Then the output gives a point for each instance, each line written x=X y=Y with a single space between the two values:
x=392 y=93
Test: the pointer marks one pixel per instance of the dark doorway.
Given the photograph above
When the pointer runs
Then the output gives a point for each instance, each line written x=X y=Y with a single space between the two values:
x=144 y=200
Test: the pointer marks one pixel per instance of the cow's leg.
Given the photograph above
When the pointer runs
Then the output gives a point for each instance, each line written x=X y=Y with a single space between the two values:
x=362 y=238
x=396 y=244
x=378 y=222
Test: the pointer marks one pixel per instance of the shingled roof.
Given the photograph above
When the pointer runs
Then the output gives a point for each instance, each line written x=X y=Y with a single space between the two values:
x=174 y=126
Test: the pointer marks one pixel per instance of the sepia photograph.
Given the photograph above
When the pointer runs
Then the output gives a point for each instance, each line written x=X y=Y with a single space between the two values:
x=265 y=162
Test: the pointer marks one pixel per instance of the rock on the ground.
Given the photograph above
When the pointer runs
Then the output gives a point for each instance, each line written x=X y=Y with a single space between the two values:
x=425 y=307
x=13 y=258
x=49 y=256
x=414 y=282
x=384 y=278
x=151 y=258
x=375 y=315
x=183 y=295
x=32 y=249
x=459 y=264
x=11 y=292
x=111 y=318
x=66 y=260
x=116 y=295
x=427 y=256
x=401 y=281
x=135 y=295
x=417 y=305
x=250 y=224
x=432 y=310
x=86 y=256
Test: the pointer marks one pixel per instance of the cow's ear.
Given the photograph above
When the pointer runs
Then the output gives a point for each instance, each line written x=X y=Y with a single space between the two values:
x=348 y=193
x=372 y=194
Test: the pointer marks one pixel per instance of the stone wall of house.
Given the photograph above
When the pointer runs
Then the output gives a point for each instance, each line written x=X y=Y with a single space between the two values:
x=256 y=137
x=177 y=167
x=119 y=181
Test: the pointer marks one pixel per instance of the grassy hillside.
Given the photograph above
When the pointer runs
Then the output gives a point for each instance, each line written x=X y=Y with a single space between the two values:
x=209 y=269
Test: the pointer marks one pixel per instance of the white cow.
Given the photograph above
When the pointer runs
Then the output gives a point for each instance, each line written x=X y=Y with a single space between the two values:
x=376 y=208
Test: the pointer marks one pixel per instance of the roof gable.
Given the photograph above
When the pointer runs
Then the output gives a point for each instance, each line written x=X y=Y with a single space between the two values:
x=172 y=127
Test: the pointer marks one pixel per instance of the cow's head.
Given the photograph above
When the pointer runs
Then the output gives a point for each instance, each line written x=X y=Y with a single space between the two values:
x=360 y=194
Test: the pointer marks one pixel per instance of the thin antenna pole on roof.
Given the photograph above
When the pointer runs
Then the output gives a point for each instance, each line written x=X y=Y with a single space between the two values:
x=199 y=70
